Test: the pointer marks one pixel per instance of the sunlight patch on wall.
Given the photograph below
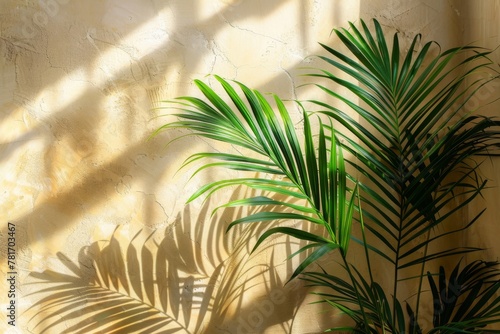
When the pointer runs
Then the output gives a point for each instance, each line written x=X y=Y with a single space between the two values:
x=144 y=40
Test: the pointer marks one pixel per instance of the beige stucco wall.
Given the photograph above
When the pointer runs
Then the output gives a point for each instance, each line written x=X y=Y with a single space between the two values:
x=81 y=181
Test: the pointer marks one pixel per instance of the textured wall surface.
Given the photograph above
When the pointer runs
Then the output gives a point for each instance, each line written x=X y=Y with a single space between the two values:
x=94 y=201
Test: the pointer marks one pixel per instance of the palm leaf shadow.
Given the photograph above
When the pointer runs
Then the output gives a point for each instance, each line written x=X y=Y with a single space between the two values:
x=186 y=281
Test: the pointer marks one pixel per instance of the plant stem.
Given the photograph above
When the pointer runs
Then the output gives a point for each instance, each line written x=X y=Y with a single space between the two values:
x=355 y=285
x=367 y=254
x=421 y=276
x=396 y=263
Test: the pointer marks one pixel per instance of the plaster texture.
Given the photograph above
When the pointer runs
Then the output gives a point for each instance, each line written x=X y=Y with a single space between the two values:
x=96 y=202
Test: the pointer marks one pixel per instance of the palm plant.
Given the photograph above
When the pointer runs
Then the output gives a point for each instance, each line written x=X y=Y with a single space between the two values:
x=413 y=145
x=414 y=142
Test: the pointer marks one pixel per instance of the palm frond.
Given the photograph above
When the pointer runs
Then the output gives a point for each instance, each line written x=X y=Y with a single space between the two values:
x=464 y=301
x=414 y=141
x=313 y=173
x=365 y=303
x=411 y=110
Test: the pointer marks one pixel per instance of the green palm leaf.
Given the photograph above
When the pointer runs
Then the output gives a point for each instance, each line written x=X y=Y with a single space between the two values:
x=313 y=179
x=412 y=134
x=464 y=301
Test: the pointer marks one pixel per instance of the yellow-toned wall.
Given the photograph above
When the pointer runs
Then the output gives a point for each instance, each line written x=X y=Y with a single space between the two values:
x=79 y=81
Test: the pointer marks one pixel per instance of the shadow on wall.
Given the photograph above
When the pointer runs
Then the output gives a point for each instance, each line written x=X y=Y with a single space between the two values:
x=182 y=282
x=73 y=171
